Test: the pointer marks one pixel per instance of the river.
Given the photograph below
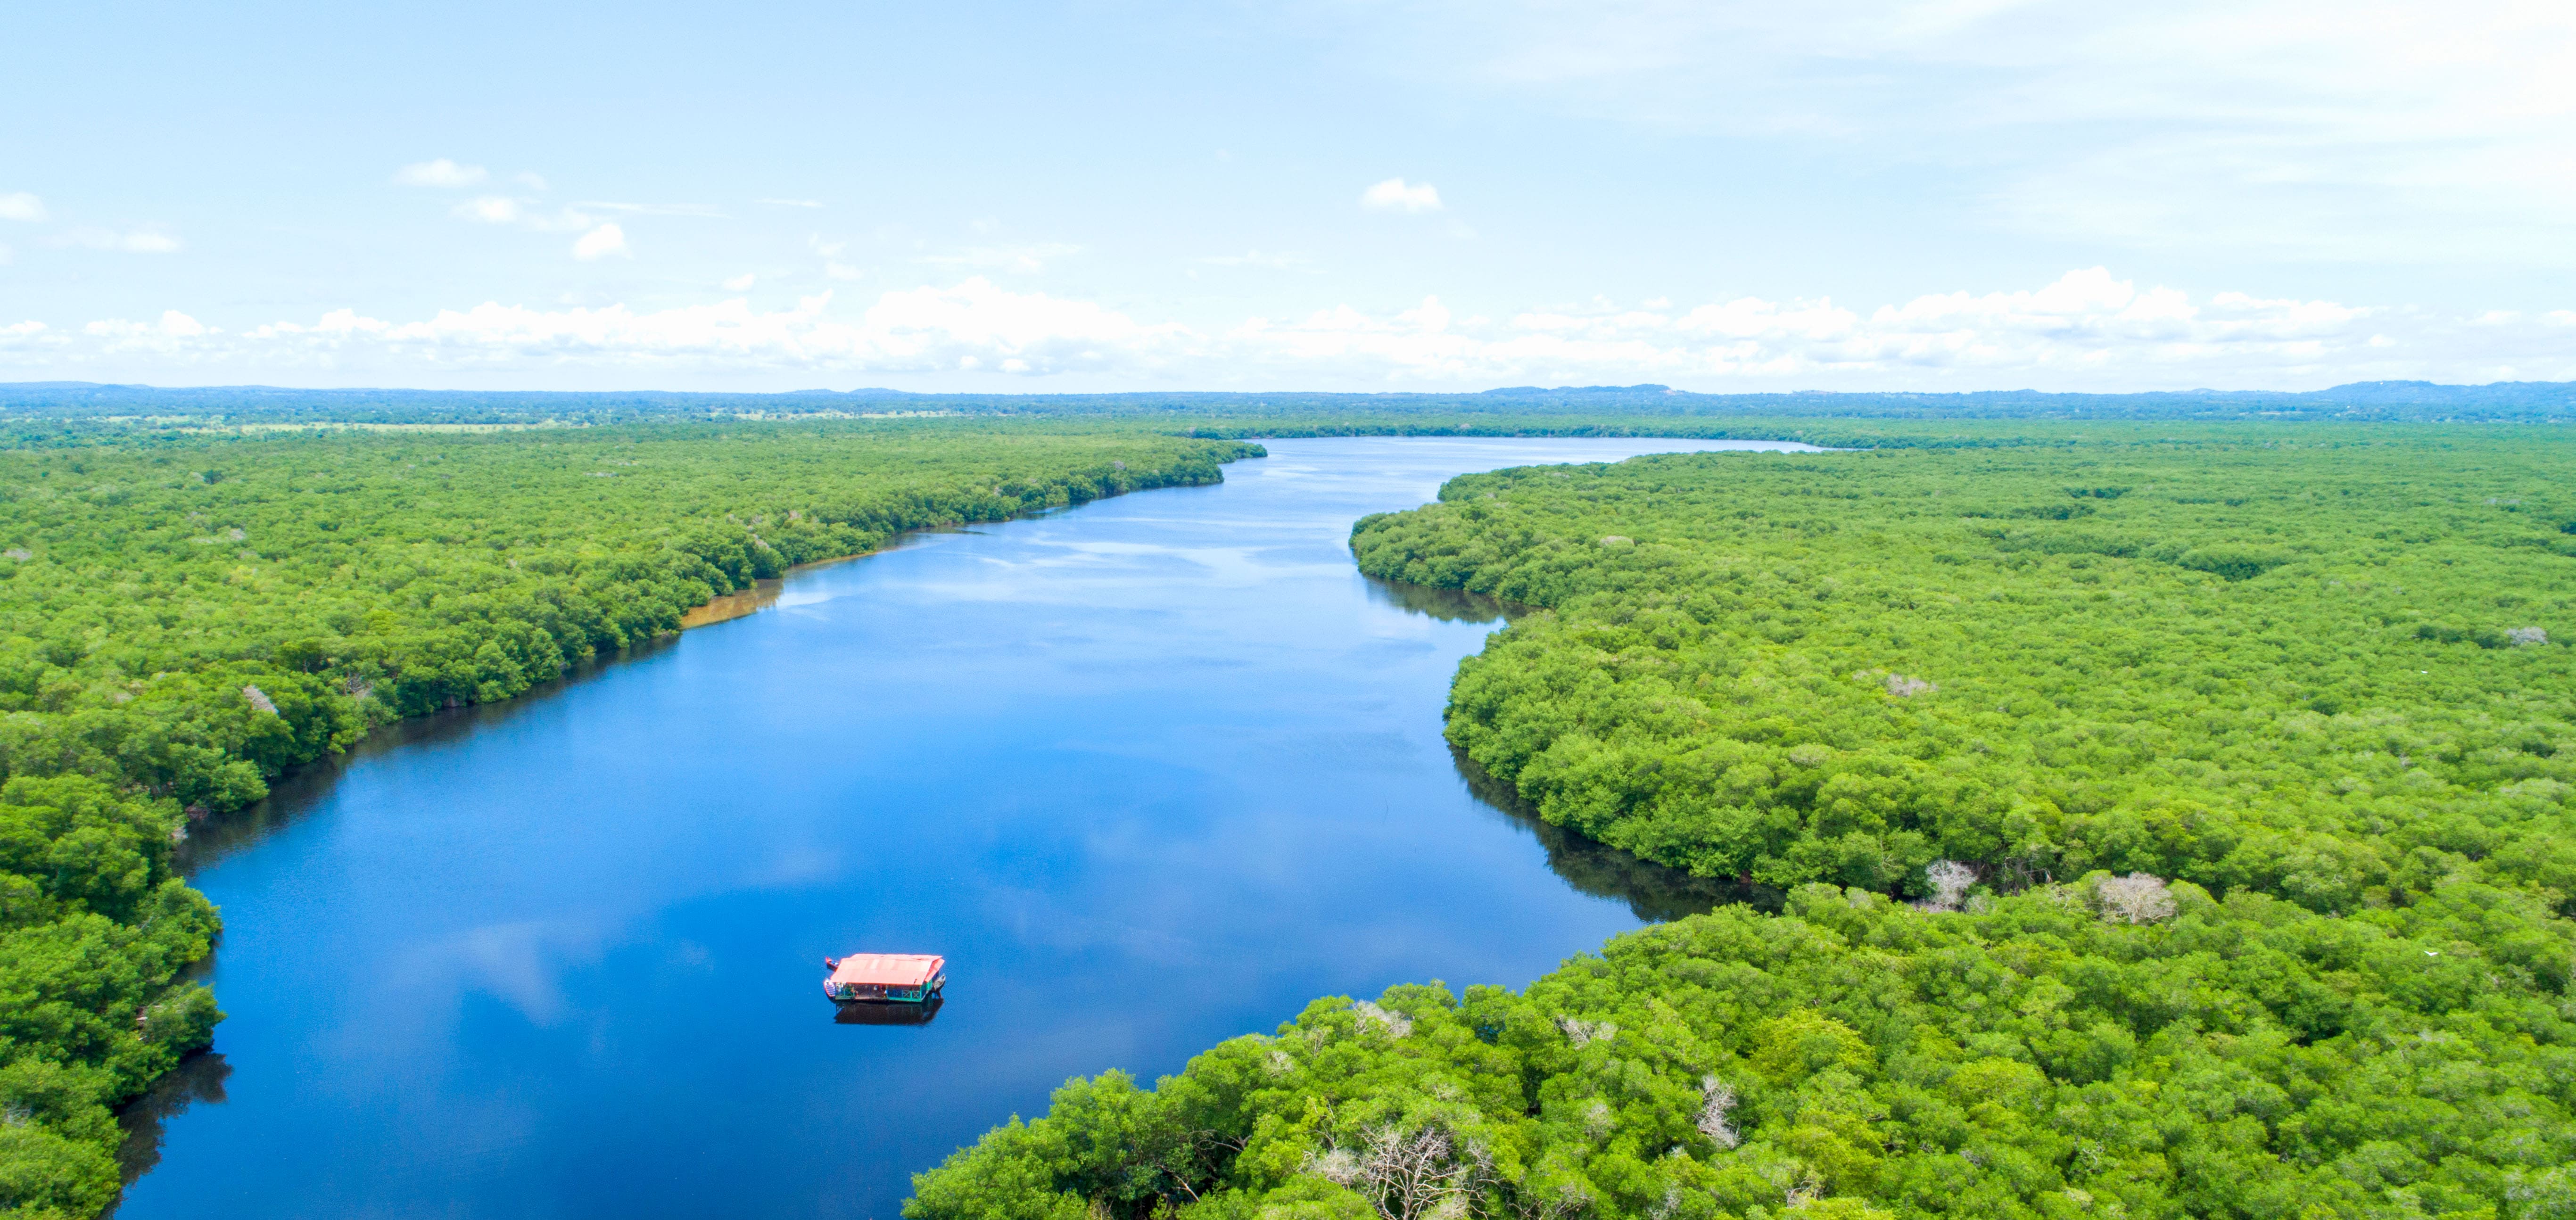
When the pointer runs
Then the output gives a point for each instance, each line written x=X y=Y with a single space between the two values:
x=1151 y=773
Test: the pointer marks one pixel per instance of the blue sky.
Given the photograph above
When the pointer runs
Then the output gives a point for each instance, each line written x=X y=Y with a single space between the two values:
x=1967 y=194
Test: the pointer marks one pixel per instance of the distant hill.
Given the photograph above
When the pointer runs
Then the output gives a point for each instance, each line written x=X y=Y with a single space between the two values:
x=2412 y=401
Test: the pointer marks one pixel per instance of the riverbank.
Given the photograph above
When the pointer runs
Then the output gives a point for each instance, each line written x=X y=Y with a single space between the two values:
x=764 y=591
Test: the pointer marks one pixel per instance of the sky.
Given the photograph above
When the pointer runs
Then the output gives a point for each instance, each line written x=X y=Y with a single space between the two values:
x=1310 y=194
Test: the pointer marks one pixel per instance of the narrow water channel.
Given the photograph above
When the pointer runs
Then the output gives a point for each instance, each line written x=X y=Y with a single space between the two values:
x=1151 y=773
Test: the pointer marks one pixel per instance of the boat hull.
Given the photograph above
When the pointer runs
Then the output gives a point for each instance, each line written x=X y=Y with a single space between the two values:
x=868 y=993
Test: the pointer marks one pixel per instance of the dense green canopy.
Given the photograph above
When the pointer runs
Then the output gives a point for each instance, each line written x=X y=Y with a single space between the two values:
x=2229 y=773
x=2318 y=664
x=2043 y=1057
x=2156 y=820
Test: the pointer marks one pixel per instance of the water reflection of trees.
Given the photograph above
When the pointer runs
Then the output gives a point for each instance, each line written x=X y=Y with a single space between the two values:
x=1446 y=605
x=1655 y=892
x=198 y=1078
x=305 y=789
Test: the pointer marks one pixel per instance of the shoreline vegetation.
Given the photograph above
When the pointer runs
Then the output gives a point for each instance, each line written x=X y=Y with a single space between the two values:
x=2140 y=820
x=763 y=591
x=185 y=618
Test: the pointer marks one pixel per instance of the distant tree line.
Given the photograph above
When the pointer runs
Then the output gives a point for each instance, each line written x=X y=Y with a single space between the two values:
x=92 y=404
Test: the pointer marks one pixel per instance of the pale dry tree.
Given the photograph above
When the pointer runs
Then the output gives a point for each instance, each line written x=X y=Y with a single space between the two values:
x=1717 y=1100
x=1395 y=1023
x=1584 y=1033
x=1906 y=688
x=1549 y=1203
x=1566 y=1199
x=1949 y=880
x=2523 y=637
x=1340 y=1166
x=2136 y=898
x=1423 y=1174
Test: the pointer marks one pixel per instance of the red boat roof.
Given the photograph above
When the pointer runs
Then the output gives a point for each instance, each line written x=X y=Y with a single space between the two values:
x=888 y=969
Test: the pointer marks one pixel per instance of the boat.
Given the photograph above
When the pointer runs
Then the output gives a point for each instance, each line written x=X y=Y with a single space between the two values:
x=885 y=978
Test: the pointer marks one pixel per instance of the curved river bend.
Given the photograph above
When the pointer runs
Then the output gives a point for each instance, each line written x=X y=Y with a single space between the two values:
x=1151 y=773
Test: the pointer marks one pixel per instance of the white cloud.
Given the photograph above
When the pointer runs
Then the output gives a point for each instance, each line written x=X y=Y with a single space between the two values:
x=176 y=333
x=843 y=271
x=20 y=205
x=2086 y=330
x=742 y=282
x=490 y=209
x=147 y=240
x=442 y=173
x=505 y=210
x=601 y=242
x=1278 y=261
x=2377 y=129
x=1029 y=258
x=583 y=217
x=792 y=203
x=972 y=326
x=652 y=209
x=1396 y=195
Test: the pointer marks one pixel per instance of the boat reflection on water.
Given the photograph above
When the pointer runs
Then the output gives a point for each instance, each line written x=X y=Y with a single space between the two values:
x=867 y=1013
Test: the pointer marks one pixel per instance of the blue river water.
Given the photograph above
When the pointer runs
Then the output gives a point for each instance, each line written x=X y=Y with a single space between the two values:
x=1151 y=773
